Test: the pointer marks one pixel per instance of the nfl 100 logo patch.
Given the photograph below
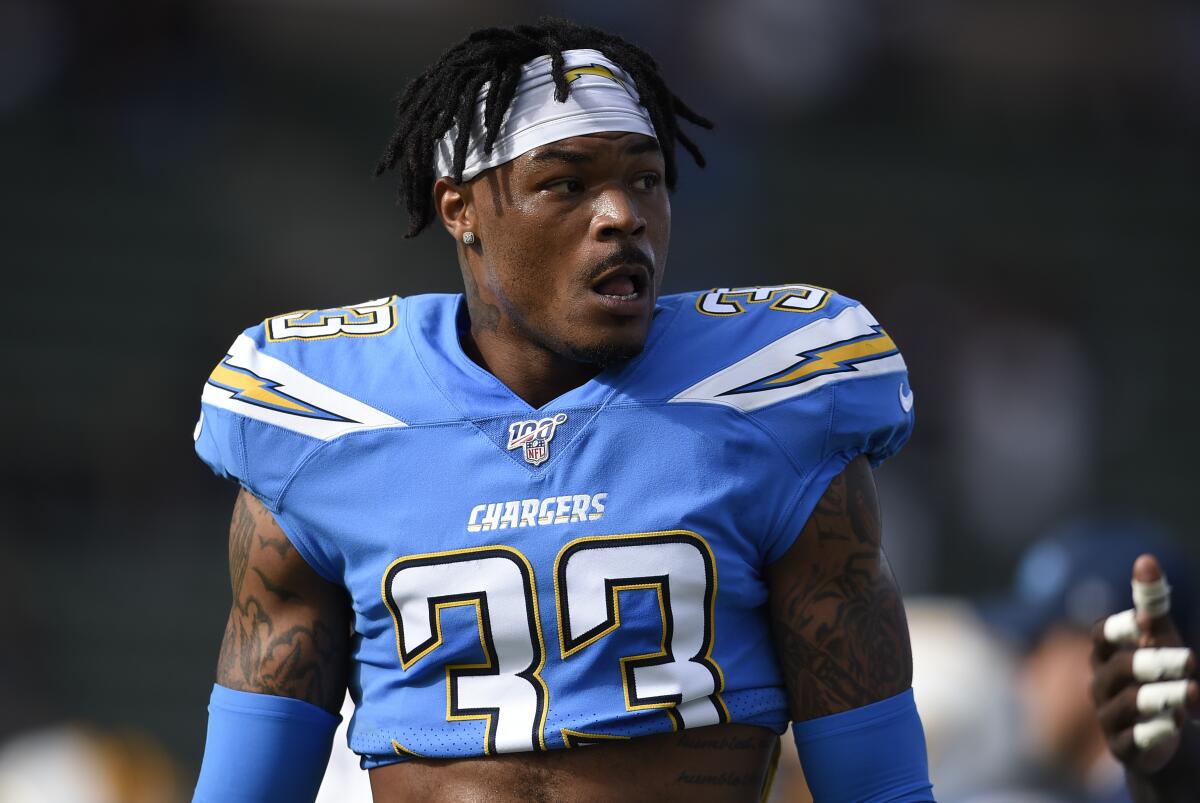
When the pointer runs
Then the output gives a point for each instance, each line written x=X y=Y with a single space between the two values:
x=534 y=437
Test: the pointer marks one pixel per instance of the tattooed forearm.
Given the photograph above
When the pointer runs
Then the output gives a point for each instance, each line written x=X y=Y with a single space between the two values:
x=839 y=626
x=288 y=631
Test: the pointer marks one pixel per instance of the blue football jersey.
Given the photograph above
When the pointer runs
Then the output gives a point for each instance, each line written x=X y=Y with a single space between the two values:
x=534 y=579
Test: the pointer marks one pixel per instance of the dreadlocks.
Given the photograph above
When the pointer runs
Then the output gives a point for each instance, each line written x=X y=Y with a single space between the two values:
x=445 y=95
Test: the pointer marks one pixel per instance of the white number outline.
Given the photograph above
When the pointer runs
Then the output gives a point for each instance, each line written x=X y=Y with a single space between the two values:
x=531 y=674
x=570 y=644
x=281 y=328
x=720 y=302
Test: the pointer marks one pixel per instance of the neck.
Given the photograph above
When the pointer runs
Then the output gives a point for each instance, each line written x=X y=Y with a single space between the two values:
x=531 y=371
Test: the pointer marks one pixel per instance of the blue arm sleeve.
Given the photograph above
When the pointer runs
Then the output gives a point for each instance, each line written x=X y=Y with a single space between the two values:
x=263 y=749
x=867 y=755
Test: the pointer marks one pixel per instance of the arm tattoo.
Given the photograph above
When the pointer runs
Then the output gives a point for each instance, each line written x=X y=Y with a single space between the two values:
x=280 y=545
x=840 y=632
x=284 y=594
x=241 y=531
x=276 y=639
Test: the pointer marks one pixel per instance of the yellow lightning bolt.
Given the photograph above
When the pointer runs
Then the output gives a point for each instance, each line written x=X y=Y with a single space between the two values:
x=591 y=69
x=250 y=387
x=835 y=357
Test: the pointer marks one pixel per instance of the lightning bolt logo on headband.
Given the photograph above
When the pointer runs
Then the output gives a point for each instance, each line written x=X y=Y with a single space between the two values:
x=592 y=69
x=835 y=358
x=251 y=388
x=537 y=118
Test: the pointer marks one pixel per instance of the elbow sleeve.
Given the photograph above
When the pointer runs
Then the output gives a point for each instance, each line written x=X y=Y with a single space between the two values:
x=263 y=748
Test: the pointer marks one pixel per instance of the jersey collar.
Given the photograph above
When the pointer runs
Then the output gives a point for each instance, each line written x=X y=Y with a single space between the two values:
x=436 y=338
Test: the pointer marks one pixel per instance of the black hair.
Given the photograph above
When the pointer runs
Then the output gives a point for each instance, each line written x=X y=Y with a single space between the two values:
x=445 y=95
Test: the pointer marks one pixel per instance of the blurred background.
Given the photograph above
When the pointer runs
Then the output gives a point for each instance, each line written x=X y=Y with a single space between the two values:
x=1013 y=186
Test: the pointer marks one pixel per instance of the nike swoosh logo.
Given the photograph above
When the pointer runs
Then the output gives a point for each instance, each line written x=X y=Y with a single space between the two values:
x=906 y=399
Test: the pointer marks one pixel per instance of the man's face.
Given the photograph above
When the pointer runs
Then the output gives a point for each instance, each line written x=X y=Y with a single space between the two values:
x=572 y=244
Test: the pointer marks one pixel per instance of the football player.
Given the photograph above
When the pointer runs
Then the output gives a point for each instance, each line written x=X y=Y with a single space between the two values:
x=1143 y=686
x=562 y=538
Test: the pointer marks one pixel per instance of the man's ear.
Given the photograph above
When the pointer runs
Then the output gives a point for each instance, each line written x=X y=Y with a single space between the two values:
x=454 y=207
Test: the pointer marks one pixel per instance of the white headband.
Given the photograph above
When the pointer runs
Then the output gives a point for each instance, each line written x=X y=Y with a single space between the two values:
x=602 y=98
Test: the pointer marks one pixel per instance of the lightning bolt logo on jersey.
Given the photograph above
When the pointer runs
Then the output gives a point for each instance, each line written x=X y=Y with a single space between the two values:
x=542 y=579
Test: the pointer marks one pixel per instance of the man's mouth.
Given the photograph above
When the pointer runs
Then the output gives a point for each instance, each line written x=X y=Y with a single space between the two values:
x=622 y=283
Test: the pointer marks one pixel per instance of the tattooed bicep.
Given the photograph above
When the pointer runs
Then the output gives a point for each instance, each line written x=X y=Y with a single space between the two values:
x=288 y=629
x=838 y=621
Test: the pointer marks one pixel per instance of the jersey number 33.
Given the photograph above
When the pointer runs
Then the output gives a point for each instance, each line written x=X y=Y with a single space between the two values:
x=507 y=689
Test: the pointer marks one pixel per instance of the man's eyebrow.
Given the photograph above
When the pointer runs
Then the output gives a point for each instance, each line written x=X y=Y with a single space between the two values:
x=643 y=146
x=559 y=155
x=577 y=157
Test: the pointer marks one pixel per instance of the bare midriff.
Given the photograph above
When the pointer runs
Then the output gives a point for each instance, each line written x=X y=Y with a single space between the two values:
x=719 y=763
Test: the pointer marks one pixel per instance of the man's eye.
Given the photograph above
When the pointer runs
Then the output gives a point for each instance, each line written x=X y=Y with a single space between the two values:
x=646 y=182
x=565 y=186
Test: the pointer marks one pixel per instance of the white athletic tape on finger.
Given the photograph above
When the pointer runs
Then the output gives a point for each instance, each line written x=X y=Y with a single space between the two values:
x=1152 y=599
x=1154 y=698
x=1159 y=729
x=1121 y=628
x=1162 y=663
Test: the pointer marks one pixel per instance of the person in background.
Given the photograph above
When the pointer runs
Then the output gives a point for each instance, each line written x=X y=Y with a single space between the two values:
x=1065 y=583
x=81 y=762
x=1144 y=687
x=965 y=682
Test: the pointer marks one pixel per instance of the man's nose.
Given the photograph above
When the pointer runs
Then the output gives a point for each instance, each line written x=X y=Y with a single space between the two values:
x=616 y=215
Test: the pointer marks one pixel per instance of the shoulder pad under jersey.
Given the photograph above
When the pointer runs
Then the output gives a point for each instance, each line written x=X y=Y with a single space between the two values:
x=812 y=367
x=294 y=382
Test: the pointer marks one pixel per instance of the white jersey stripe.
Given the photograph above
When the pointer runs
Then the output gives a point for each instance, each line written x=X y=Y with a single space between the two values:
x=774 y=358
x=353 y=414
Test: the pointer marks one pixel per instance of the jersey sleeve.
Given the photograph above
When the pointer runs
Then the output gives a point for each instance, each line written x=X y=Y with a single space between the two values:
x=261 y=419
x=860 y=394
x=825 y=385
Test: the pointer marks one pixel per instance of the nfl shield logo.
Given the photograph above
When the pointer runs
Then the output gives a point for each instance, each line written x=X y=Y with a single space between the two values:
x=533 y=437
x=536 y=451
